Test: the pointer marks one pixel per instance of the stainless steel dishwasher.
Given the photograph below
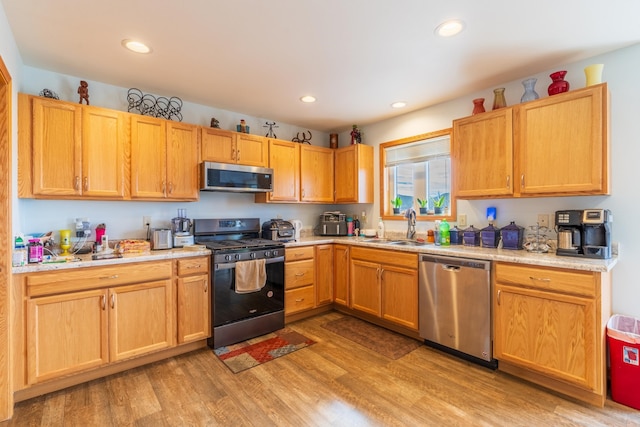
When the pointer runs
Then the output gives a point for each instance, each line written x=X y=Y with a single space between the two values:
x=455 y=306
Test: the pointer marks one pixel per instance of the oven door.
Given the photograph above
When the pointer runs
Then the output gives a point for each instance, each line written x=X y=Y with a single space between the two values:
x=229 y=306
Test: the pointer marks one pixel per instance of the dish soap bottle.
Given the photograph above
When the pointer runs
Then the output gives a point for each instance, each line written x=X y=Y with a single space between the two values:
x=380 y=229
x=19 y=253
x=445 y=235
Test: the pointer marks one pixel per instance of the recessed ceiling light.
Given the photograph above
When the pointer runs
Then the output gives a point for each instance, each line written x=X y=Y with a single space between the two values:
x=399 y=104
x=308 y=99
x=136 y=46
x=450 y=28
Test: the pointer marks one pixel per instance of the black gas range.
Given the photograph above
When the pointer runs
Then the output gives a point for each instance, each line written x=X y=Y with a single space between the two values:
x=240 y=316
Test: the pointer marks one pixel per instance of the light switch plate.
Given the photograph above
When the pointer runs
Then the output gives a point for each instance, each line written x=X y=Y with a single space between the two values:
x=462 y=220
x=543 y=220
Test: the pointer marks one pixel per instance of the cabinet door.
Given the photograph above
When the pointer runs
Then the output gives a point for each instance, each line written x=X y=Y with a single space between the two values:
x=252 y=150
x=57 y=145
x=365 y=287
x=194 y=308
x=66 y=334
x=482 y=154
x=104 y=135
x=284 y=159
x=218 y=145
x=354 y=174
x=148 y=158
x=316 y=170
x=550 y=333
x=182 y=161
x=341 y=274
x=400 y=296
x=324 y=274
x=140 y=319
x=562 y=144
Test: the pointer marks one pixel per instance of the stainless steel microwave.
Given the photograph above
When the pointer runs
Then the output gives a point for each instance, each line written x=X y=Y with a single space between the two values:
x=235 y=178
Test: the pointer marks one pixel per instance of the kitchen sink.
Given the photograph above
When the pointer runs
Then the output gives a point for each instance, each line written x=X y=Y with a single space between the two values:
x=407 y=243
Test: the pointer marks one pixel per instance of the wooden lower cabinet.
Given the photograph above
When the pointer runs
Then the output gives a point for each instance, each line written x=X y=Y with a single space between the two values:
x=341 y=274
x=194 y=299
x=550 y=327
x=324 y=274
x=385 y=284
x=299 y=279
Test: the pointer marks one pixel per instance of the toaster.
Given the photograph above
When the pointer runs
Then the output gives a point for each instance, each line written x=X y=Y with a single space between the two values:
x=333 y=224
x=278 y=229
x=162 y=239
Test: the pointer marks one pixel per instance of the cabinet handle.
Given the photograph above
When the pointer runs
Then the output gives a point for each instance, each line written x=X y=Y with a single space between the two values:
x=499 y=296
x=115 y=276
x=233 y=154
x=522 y=181
x=171 y=187
x=206 y=287
x=238 y=155
x=164 y=187
x=104 y=302
x=508 y=181
x=76 y=185
x=113 y=300
x=346 y=253
x=194 y=266
x=300 y=300
x=540 y=279
x=86 y=183
x=299 y=274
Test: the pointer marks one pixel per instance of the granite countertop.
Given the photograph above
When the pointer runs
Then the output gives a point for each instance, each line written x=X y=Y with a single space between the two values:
x=516 y=256
x=82 y=261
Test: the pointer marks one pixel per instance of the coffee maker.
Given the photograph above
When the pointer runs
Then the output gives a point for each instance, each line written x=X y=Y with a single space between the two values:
x=181 y=228
x=584 y=233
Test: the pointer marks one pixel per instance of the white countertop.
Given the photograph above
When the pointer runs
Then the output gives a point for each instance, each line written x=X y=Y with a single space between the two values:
x=516 y=256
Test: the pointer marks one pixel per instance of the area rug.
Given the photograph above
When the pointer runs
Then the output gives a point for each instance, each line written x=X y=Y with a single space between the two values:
x=380 y=340
x=256 y=351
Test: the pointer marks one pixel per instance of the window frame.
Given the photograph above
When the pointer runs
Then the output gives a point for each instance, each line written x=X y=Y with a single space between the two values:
x=386 y=212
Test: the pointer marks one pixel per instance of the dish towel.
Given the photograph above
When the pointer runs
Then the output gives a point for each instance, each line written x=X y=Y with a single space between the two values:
x=251 y=276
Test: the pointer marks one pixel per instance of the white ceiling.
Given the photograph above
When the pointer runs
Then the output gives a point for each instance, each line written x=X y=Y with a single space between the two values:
x=259 y=57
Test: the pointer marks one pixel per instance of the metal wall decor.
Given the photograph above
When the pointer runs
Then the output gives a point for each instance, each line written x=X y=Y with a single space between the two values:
x=270 y=133
x=149 y=105
x=304 y=138
x=48 y=93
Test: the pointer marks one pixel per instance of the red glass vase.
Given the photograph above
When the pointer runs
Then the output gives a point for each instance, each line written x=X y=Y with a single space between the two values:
x=559 y=84
x=478 y=106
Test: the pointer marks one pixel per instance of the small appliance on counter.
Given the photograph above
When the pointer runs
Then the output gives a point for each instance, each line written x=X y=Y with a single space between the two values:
x=297 y=226
x=161 y=239
x=278 y=229
x=584 y=233
x=181 y=229
x=332 y=224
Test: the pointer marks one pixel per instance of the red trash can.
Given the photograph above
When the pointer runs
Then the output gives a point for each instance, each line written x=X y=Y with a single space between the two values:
x=623 y=337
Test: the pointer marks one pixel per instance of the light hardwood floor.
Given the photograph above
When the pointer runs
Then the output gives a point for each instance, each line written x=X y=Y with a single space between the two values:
x=333 y=382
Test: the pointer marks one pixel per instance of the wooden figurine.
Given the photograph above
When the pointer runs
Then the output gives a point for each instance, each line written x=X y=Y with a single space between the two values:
x=83 y=91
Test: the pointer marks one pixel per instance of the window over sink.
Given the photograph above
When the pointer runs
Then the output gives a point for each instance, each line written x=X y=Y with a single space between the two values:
x=416 y=172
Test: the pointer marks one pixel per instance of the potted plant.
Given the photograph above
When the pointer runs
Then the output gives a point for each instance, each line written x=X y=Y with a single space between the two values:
x=423 y=206
x=438 y=203
x=396 y=203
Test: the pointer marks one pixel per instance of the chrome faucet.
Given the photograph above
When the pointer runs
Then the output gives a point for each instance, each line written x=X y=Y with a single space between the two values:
x=410 y=214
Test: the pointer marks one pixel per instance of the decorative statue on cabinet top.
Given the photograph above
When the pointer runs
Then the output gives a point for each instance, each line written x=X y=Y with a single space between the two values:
x=83 y=91
x=215 y=123
x=270 y=133
x=304 y=138
x=242 y=127
x=356 y=136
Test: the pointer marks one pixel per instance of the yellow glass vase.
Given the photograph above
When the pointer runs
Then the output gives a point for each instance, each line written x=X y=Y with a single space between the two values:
x=593 y=73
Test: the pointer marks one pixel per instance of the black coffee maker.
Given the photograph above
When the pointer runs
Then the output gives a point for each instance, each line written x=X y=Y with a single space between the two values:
x=584 y=233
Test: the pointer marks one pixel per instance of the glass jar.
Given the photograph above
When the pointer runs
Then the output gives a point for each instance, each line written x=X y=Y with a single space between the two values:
x=499 y=101
x=35 y=251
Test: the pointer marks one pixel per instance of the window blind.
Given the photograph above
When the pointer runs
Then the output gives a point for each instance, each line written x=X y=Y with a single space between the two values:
x=418 y=151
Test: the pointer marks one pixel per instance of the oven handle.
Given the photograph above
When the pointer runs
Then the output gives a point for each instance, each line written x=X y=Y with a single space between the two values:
x=228 y=265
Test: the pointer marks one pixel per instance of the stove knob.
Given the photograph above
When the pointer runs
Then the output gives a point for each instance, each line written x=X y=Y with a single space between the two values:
x=237 y=256
x=227 y=257
x=252 y=255
x=267 y=254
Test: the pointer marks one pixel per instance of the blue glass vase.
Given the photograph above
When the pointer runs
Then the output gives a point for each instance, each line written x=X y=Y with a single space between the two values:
x=529 y=90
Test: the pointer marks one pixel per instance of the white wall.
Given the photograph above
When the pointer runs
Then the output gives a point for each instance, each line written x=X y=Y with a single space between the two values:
x=621 y=72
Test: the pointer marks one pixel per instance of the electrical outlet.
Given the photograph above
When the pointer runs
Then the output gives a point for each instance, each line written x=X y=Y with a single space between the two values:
x=462 y=220
x=146 y=221
x=543 y=220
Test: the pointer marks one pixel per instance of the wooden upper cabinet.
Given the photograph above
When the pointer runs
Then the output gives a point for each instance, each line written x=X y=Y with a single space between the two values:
x=284 y=159
x=562 y=144
x=317 y=172
x=354 y=174
x=231 y=147
x=482 y=154
x=56 y=148
x=148 y=157
x=104 y=140
x=182 y=161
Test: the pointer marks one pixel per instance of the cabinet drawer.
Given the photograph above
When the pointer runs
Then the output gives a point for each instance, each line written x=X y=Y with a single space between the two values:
x=293 y=254
x=381 y=256
x=298 y=299
x=96 y=277
x=190 y=266
x=299 y=273
x=546 y=278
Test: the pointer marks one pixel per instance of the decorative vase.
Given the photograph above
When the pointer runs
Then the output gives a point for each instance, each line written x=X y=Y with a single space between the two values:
x=498 y=98
x=559 y=84
x=529 y=90
x=478 y=106
x=593 y=73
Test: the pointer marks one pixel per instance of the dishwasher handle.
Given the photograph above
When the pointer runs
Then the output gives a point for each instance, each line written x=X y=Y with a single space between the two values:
x=451 y=268
x=450 y=262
